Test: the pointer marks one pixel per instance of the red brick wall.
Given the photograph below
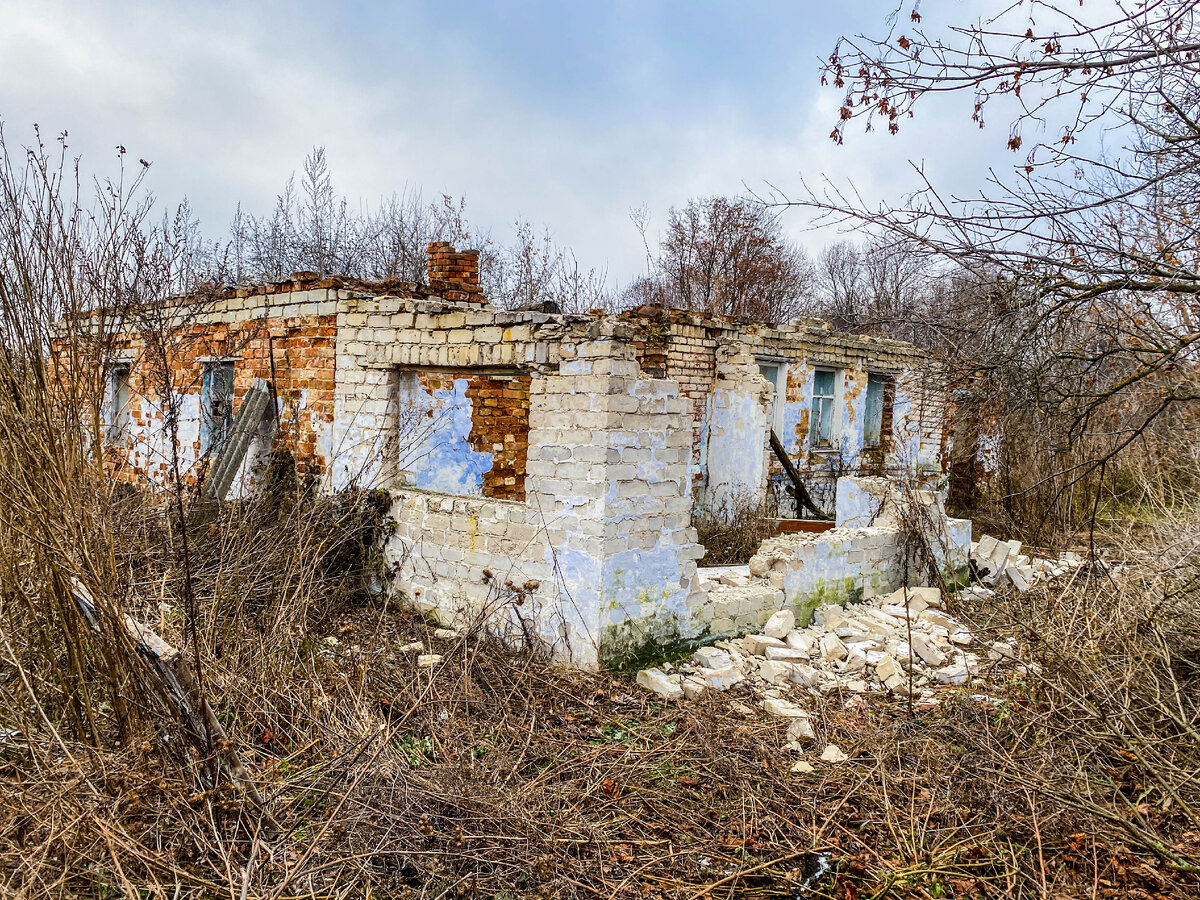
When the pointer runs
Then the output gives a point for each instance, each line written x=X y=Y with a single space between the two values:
x=297 y=355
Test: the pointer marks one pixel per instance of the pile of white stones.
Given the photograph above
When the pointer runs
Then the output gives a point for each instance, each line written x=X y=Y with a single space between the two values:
x=996 y=562
x=901 y=643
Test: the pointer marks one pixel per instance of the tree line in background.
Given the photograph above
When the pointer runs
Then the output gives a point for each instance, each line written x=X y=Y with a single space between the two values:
x=1071 y=314
x=719 y=255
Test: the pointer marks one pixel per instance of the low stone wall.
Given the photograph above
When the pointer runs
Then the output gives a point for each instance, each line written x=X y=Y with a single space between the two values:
x=802 y=571
x=861 y=558
x=459 y=558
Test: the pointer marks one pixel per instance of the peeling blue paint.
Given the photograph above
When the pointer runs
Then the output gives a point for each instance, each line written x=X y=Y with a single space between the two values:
x=440 y=456
x=793 y=441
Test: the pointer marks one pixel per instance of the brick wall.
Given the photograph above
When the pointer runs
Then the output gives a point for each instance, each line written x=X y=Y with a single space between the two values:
x=604 y=535
x=292 y=347
x=454 y=272
x=532 y=446
x=685 y=346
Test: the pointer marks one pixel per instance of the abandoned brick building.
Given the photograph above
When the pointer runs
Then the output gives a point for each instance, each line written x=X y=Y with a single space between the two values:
x=533 y=456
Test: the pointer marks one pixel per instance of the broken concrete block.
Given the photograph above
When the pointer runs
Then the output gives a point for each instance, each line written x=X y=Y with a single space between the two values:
x=656 y=681
x=867 y=646
x=774 y=671
x=712 y=658
x=783 y=709
x=855 y=661
x=802 y=768
x=955 y=674
x=757 y=644
x=832 y=649
x=798 y=640
x=939 y=619
x=693 y=688
x=428 y=660
x=445 y=634
x=786 y=654
x=962 y=637
x=886 y=668
x=800 y=731
x=806 y=676
x=759 y=565
x=1019 y=577
x=722 y=679
x=979 y=591
x=897 y=684
x=930 y=596
x=927 y=650
x=829 y=616
x=833 y=754
x=780 y=624
x=982 y=552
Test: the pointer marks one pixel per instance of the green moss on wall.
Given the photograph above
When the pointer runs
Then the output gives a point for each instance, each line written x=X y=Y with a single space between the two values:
x=637 y=643
x=834 y=590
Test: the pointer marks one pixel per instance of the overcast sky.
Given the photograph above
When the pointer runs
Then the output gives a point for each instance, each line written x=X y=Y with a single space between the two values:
x=569 y=114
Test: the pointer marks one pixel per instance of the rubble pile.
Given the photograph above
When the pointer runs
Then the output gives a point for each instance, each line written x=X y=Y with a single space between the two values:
x=995 y=562
x=900 y=643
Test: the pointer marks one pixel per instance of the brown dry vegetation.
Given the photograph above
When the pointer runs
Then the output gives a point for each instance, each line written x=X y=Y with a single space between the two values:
x=497 y=773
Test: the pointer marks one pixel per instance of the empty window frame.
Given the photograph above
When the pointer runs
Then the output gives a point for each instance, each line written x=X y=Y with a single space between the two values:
x=116 y=403
x=877 y=418
x=216 y=405
x=776 y=373
x=822 y=422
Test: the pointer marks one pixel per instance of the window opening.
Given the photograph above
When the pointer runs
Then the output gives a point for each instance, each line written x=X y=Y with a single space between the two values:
x=776 y=373
x=873 y=420
x=116 y=404
x=216 y=405
x=821 y=430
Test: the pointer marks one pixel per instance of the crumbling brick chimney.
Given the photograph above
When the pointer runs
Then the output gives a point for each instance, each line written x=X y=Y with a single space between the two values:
x=454 y=273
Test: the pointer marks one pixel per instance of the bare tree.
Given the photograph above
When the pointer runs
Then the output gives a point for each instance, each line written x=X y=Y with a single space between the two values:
x=535 y=272
x=1089 y=246
x=312 y=228
x=841 y=284
x=728 y=256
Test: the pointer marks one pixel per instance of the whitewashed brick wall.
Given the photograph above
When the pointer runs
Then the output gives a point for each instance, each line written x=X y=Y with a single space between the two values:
x=605 y=528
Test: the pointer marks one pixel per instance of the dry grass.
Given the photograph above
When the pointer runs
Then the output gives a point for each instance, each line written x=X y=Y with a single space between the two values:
x=497 y=773
x=731 y=539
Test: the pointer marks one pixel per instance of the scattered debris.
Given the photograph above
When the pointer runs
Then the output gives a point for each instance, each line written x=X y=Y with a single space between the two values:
x=659 y=682
x=862 y=649
x=995 y=563
x=833 y=754
x=780 y=624
x=428 y=660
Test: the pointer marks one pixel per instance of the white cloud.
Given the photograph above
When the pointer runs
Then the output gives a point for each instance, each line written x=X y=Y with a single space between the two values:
x=227 y=101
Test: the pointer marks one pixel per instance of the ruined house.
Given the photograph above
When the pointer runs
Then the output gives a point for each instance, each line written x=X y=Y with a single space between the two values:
x=543 y=468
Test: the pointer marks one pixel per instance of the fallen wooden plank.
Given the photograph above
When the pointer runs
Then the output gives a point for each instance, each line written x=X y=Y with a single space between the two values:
x=242 y=431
